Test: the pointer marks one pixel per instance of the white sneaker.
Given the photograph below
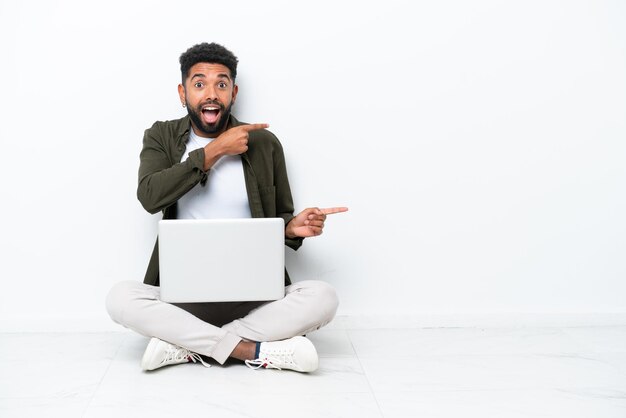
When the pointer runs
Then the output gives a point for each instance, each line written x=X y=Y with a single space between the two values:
x=297 y=353
x=159 y=354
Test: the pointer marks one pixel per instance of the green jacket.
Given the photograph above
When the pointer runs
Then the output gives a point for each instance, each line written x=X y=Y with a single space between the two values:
x=163 y=178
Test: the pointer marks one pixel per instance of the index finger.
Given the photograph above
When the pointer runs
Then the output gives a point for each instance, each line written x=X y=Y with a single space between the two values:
x=330 y=211
x=254 y=126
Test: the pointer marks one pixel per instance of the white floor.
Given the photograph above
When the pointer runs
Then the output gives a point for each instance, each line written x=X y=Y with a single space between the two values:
x=445 y=372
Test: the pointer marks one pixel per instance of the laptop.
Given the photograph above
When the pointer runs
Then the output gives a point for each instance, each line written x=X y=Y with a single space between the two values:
x=221 y=260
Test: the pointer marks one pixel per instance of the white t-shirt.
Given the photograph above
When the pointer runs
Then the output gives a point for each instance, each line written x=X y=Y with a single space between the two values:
x=223 y=196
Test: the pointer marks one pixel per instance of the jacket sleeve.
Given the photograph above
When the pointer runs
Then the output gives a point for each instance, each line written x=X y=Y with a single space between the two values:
x=284 y=200
x=161 y=181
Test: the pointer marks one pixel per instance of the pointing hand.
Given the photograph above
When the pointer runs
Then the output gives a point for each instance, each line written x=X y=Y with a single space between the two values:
x=310 y=222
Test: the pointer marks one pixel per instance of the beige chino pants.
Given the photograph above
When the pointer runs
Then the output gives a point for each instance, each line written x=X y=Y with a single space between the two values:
x=308 y=305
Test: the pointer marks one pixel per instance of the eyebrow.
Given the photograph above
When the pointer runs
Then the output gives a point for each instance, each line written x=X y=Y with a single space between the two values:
x=200 y=75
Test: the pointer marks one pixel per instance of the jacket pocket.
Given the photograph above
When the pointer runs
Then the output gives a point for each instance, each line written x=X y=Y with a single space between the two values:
x=268 y=200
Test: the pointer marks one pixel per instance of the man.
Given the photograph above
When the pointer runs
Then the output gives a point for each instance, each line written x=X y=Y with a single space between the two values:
x=210 y=165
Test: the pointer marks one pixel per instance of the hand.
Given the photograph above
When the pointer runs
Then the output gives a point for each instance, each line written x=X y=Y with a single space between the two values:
x=310 y=222
x=233 y=141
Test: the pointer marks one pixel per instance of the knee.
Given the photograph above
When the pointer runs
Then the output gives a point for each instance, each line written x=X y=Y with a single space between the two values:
x=118 y=298
x=332 y=299
x=326 y=300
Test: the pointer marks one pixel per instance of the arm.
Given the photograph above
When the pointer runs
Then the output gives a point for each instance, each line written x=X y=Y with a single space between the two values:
x=162 y=183
x=284 y=200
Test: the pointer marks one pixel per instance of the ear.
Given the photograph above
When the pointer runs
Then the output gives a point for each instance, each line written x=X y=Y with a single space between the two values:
x=181 y=94
x=235 y=91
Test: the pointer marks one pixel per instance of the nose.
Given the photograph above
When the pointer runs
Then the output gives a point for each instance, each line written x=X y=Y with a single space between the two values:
x=210 y=93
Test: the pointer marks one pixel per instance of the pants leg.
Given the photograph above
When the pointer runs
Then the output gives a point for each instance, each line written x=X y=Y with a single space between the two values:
x=137 y=306
x=307 y=306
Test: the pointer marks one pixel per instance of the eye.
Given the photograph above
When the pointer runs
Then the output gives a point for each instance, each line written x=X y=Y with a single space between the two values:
x=198 y=84
x=222 y=85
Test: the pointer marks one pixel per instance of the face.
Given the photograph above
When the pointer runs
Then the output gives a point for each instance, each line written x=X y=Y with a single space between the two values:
x=209 y=93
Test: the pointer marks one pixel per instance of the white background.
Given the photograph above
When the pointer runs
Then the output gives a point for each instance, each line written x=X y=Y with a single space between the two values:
x=479 y=145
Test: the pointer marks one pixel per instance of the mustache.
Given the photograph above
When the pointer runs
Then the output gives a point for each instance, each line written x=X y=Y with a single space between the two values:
x=212 y=102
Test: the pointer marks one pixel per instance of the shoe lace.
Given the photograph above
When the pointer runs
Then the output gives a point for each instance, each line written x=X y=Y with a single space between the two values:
x=197 y=357
x=179 y=354
x=273 y=360
x=258 y=363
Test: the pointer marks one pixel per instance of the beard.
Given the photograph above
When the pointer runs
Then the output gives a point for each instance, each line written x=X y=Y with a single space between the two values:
x=209 y=129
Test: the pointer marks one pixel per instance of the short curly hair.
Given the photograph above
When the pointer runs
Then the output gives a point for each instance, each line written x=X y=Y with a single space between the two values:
x=212 y=53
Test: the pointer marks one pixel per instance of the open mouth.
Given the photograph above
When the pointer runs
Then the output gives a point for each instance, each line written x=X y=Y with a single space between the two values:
x=210 y=114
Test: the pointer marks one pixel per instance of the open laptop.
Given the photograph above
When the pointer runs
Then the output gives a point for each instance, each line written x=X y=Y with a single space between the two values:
x=221 y=260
